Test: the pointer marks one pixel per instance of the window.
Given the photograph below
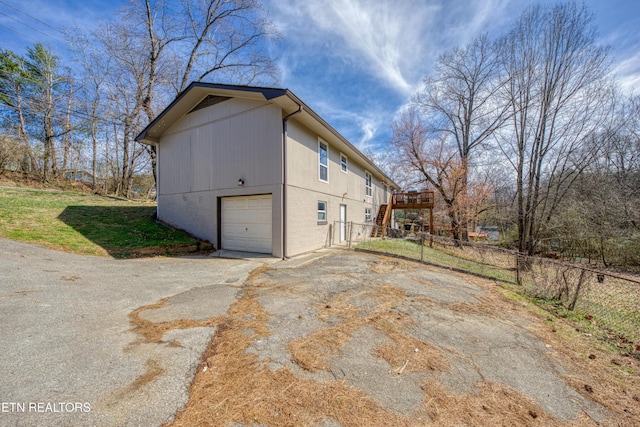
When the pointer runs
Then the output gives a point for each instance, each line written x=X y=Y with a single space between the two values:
x=344 y=163
x=322 y=211
x=323 y=160
x=367 y=184
x=367 y=214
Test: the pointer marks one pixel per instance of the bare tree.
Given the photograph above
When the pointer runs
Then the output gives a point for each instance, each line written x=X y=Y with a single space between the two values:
x=14 y=80
x=459 y=101
x=433 y=161
x=67 y=122
x=47 y=84
x=603 y=208
x=94 y=68
x=36 y=91
x=157 y=46
x=557 y=91
x=11 y=153
x=226 y=36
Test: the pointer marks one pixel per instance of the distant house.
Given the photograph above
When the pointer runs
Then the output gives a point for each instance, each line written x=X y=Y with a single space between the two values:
x=486 y=232
x=255 y=169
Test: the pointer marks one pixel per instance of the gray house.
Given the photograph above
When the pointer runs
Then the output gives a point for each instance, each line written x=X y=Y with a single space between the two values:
x=255 y=169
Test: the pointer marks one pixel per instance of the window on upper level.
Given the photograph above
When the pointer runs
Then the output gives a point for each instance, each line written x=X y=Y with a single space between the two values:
x=344 y=163
x=367 y=184
x=323 y=161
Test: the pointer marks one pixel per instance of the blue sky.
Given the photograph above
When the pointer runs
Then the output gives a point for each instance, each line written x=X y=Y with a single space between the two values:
x=356 y=62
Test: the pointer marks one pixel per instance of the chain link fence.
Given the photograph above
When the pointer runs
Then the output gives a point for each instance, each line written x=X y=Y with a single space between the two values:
x=610 y=301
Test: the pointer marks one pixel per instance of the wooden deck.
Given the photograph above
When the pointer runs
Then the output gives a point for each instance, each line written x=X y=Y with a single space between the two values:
x=413 y=200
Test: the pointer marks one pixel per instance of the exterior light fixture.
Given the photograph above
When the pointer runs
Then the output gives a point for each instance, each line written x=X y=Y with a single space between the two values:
x=241 y=182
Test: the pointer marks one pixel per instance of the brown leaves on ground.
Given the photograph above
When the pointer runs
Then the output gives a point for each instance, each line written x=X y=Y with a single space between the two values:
x=233 y=385
x=153 y=332
x=237 y=387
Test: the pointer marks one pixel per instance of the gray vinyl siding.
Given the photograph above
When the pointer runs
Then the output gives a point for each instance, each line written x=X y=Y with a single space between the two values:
x=212 y=155
x=304 y=190
x=203 y=156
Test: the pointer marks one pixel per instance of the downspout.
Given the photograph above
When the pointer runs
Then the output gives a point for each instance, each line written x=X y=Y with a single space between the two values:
x=283 y=198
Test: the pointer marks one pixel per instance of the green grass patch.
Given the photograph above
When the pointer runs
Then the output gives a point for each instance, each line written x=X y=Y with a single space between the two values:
x=83 y=223
x=411 y=249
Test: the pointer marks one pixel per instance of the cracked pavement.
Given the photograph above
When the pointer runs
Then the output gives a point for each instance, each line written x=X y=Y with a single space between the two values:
x=68 y=336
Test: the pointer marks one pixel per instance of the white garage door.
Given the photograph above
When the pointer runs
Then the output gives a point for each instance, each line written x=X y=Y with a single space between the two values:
x=246 y=224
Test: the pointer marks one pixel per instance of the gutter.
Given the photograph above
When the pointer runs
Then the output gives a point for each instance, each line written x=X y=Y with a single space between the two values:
x=283 y=196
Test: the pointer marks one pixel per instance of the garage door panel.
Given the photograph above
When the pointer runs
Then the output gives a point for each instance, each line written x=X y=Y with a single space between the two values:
x=247 y=223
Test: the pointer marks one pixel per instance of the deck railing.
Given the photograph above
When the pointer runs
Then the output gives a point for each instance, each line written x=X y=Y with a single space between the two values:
x=413 y=200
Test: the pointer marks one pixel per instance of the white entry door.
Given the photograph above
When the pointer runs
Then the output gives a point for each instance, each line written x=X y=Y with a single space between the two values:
x=246 y=224
x=343 y=223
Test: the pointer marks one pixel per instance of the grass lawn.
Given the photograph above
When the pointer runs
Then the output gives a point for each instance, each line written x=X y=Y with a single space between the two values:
x=84 y=223
x=412 y=249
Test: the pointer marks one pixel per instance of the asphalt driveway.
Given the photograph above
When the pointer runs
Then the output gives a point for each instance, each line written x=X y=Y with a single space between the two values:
x=95 y=341
x=70 y=355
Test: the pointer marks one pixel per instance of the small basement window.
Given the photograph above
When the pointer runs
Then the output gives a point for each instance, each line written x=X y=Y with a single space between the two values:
x=367 y=214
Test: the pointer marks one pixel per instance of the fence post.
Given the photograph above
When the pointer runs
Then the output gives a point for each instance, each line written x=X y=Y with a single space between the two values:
x=518 y=279
x=330 y=235
x=421 y=247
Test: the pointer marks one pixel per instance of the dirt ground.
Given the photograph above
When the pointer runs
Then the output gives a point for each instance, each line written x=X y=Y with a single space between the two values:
x=355 y=339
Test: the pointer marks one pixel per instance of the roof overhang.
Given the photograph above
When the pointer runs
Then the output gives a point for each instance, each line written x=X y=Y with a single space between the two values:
x=284 y=98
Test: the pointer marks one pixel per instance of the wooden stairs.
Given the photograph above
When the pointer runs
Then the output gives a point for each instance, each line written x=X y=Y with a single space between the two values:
x=376 y=231
x=408 y=200
x=382 y=219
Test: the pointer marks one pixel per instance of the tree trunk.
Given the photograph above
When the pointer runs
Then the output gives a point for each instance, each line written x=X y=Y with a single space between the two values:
x=67 y=128
x=23 y=134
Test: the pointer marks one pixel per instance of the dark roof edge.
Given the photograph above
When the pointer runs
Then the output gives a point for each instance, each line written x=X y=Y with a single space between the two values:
x=269 y=94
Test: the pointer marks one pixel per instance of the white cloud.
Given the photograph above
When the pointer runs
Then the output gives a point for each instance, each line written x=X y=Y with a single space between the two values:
x=362 y=128
x=628 y=74
x=396 y=41
x=625 y=54
x=383 y=38
x=369 y=57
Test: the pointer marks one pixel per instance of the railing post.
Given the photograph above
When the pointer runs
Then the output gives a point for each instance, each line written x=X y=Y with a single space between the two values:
x=431 y=227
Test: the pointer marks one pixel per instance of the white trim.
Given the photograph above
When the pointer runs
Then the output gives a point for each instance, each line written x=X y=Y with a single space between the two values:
x=320 y=165
x=346 y=163
x=157 y=182
x=368 y=188
x=320 y=210
x=343 y=222
x=370 y=215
